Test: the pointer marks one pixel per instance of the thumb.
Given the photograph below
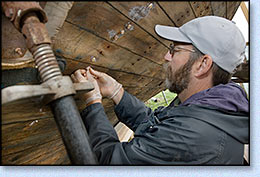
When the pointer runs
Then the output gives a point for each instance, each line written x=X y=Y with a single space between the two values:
x=90 y=77
x=95 y=73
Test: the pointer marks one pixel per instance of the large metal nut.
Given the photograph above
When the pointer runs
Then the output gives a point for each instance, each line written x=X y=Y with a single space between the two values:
x=16 y=11
x=36 y=33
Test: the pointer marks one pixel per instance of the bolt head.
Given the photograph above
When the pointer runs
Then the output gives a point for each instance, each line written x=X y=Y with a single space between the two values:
x=19 y=12
x=93 y=59
x=19 y=51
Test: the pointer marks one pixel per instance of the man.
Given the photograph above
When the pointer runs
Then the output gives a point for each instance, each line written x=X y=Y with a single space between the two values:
x=208 y=121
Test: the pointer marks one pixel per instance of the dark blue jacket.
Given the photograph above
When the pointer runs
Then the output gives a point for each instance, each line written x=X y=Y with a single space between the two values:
x=195 y=132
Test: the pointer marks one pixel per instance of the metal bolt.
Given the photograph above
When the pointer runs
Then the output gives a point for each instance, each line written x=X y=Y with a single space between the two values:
x=93 y=59
x=150 y=6
x=19 y=51
x=129 y=26
x=19 y=12
x=33 y=122
x=116 y=37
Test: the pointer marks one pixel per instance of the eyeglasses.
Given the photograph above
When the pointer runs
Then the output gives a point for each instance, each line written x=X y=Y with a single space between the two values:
x=174 y=49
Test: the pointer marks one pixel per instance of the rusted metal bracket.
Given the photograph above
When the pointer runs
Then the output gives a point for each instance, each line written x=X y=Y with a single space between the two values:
x=49 y=90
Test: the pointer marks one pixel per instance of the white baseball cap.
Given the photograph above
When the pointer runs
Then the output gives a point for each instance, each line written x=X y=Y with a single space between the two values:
x=216 y=36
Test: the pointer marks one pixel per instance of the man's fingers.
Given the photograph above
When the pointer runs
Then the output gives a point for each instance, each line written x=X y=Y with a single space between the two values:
x=83 y=72
x=94 y=72
x=78 y=75
x=101 y=77
x=89 y=76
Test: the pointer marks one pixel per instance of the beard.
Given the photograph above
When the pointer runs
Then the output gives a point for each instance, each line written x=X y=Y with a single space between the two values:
x=179 y=80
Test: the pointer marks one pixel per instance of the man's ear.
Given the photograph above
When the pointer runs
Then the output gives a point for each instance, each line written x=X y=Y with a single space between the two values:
x=203 y=66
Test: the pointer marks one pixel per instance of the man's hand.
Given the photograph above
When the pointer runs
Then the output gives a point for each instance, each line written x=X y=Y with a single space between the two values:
x=109 y=87
x=94 y=96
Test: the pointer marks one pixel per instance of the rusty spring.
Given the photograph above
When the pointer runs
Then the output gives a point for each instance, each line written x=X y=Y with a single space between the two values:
x=46 y=62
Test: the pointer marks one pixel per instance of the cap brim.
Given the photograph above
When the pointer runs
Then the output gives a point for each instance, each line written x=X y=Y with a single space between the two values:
x=171 y=33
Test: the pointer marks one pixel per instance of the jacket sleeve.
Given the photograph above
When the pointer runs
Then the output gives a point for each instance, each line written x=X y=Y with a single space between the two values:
x=102 y=135
x=131 y=111
x=107 y=147
x=104 y=140
x=154 y=143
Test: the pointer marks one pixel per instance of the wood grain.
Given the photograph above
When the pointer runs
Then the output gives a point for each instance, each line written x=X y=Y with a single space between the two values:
x=232 y=7
x=82 y=46
x=219 y=8
x=30 y=141
x=201 y=8
x=180 y=11
x=103 y=20
x=145 y=14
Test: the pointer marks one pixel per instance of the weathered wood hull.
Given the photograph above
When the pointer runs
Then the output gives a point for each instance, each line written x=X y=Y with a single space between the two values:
x=114 y=37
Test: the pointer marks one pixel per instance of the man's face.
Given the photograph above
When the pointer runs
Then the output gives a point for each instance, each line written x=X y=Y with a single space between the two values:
x=178 y=68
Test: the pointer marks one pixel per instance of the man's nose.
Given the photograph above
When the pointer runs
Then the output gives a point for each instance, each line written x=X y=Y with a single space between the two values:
x=168 y=56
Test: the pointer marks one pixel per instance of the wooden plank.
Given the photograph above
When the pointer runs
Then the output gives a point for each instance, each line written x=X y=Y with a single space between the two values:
x=245 y=11
x=28 y=133
x=75 y=43
x=123 y=132
x=125 y=78
x=201 y=8
x=56 y=154
x=25 y=110
x=46 y=154
x=150 y=90
x=232 y=7
x=219 y=8
x=108 y=23
x=32 y=142
x=145 y=14
x=56 y=12
x=179 y=11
